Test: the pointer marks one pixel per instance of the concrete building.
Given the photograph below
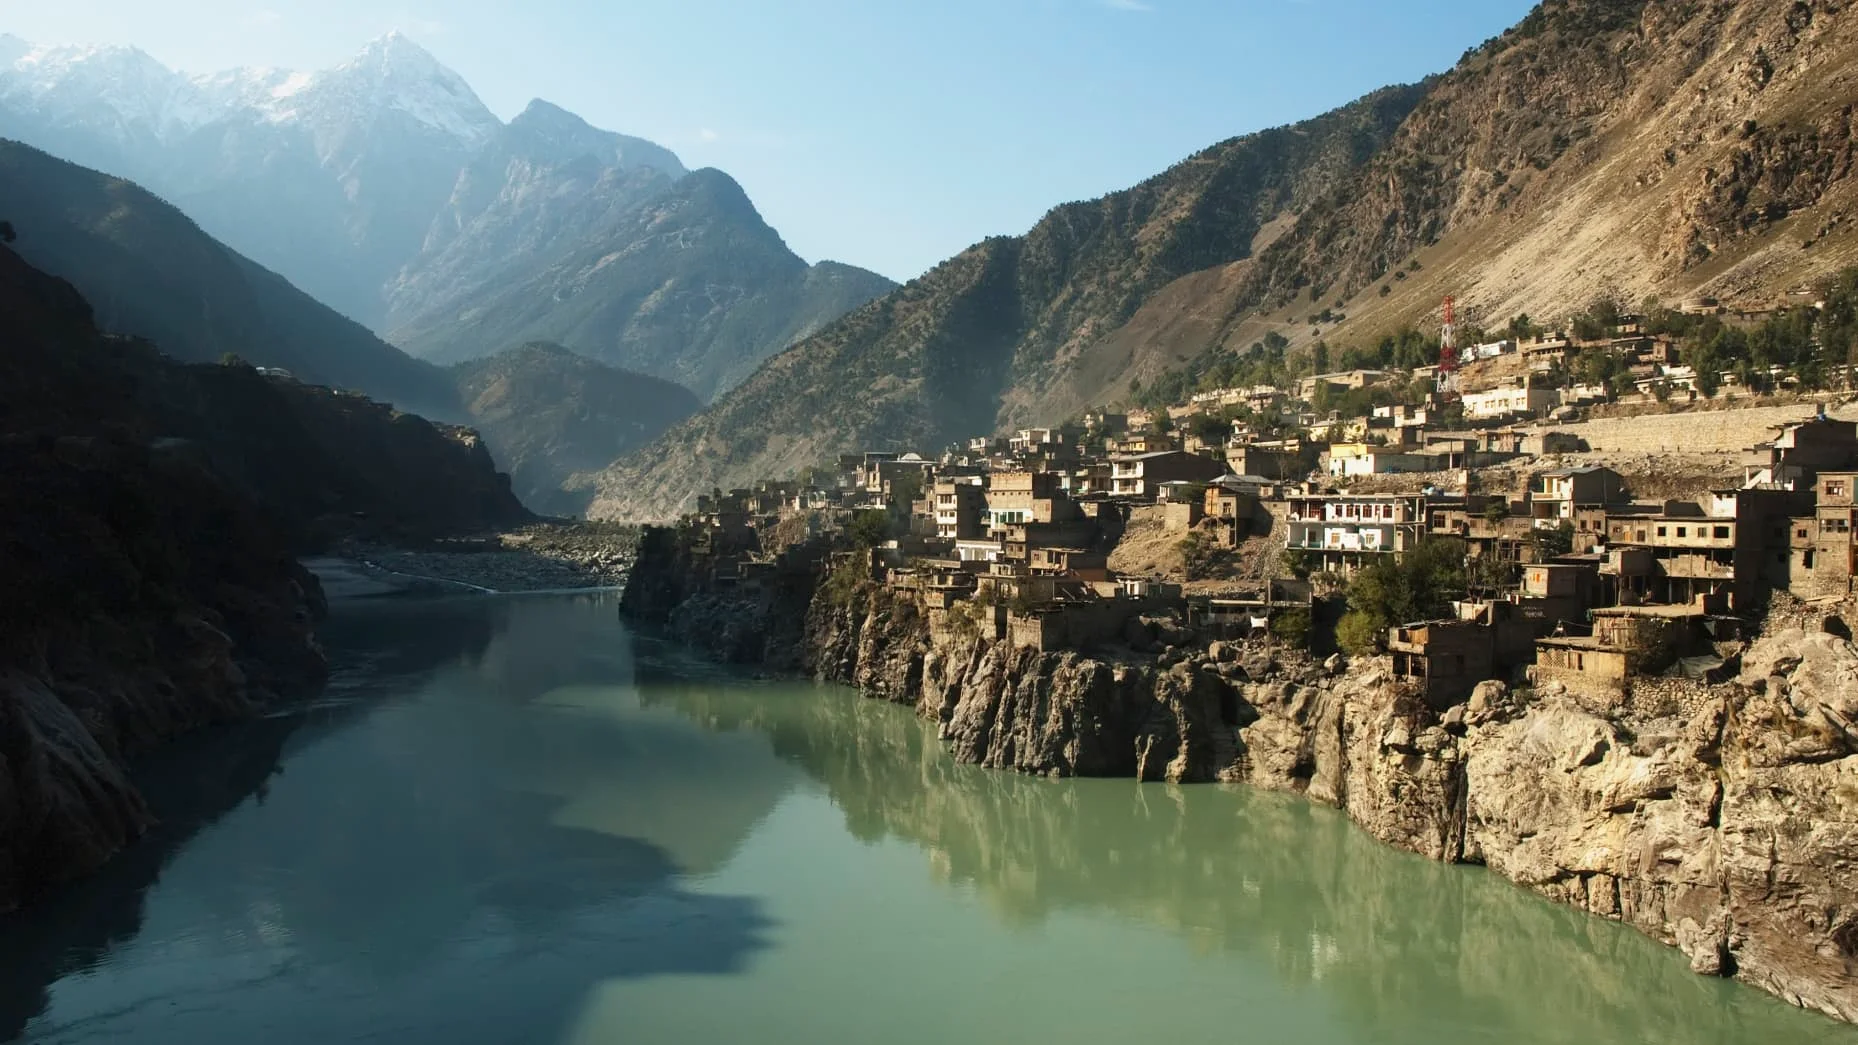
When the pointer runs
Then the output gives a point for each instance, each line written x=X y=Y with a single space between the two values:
x=1555 y=495
x=1529 y=400
x=960 y=507
x=1139 y=476
x=1342 y=532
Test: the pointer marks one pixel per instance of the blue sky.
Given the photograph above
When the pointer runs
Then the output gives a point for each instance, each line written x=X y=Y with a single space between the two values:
x=884 y=133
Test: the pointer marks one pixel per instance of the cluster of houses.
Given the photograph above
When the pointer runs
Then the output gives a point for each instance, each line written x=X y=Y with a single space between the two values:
x=1641 y=588
x=1573 y=578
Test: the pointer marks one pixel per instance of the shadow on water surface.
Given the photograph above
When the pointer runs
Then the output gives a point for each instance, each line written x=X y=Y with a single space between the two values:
x=442 y=848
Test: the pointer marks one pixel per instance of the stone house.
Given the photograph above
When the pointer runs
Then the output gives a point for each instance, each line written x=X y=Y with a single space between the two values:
x=1824 y=546
x=1799 y=452
x=1443 y=659
x=1271 y=462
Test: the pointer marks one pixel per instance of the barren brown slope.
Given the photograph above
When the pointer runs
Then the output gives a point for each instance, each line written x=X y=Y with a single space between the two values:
x=1628 y=147
x=986 y=336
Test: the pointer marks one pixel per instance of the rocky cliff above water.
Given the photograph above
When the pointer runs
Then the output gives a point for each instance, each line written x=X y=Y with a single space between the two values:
x=1717 y=819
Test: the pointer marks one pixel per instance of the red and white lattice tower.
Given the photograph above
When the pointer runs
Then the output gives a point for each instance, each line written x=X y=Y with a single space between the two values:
x=1448 y=353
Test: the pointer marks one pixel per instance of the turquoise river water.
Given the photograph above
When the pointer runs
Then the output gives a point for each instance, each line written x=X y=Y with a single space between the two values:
x=511 y=820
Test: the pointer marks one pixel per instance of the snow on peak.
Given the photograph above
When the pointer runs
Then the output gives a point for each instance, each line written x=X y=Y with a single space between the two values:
x=393 y=73
x=390 y=74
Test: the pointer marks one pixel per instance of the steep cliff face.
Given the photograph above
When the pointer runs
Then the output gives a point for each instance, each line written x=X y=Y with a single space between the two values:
x=1719 y=819
x=1008 y=707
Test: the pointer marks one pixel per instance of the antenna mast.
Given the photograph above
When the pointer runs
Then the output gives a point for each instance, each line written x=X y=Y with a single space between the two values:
x=1448 y=354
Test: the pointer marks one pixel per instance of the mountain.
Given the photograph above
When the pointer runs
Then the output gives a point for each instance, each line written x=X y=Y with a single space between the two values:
x=330 y=177
x=152 y=273
x=691 y=286
x=1625 y=147
x=548 y=413
x=1011 y=327
x=384 y=188
x=536 y=185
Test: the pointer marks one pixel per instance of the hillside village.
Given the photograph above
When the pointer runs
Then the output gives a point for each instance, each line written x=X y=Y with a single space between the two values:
x=1467 y=534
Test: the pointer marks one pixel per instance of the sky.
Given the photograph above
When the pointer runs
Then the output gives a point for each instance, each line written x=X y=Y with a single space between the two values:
x=884 y=133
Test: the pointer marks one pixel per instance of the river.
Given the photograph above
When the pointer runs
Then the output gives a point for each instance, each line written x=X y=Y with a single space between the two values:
x=510 y=820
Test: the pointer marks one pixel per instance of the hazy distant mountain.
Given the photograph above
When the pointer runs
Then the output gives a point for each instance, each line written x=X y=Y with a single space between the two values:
x=691 y=286
x=547 y=413
x=384 y=188
x=150 y=272
x=331 y=178
x=538 y=187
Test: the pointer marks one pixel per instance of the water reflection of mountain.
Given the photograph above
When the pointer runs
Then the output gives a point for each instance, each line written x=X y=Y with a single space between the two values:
x=1396 y=940
x=470 y=833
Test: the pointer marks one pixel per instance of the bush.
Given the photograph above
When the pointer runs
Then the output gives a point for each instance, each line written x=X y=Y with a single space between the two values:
x=1359 y=634
x=1292 y=627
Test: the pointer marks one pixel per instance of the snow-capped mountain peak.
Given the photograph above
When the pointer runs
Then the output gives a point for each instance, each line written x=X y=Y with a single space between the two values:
x=395 y=74
x=391 y=74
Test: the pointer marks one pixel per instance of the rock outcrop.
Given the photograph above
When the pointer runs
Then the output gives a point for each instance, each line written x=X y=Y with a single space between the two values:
x=1719 y=819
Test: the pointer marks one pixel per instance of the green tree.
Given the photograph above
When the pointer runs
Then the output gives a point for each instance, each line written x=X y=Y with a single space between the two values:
x=1419 y=585
x=869 y=528
x=1319 y=357
x=1496 y=511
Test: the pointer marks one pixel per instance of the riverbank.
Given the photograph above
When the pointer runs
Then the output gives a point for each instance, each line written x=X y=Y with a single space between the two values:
x=1710 y=817
x=539 y=558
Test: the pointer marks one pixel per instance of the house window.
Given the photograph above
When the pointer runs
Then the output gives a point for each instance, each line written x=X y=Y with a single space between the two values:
x=1721 y=532
x=1835 y=488
x=1683 y=531
x=1800 y=534
x=1661 y=531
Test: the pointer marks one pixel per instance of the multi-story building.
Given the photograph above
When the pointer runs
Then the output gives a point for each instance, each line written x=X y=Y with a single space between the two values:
x=1799 y=452
x=1556 y=496
x=1343 y=532
x=1725 y=553
x=1825 y=544
x=1139 y=476
x=1528 y=400
x=960 y=505
x=1024 y=496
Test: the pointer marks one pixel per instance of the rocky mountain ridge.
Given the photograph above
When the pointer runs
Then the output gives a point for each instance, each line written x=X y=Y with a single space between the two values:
x=1627 y=147
x=680 y=280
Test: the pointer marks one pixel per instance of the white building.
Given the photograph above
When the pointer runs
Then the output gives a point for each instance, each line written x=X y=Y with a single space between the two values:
x=1498 y=403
